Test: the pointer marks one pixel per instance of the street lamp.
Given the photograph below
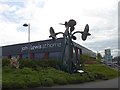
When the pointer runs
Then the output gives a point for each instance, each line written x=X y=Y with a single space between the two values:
x=28 y=25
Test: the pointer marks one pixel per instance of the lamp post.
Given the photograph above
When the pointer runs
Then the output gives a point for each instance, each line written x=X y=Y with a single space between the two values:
x=28 y=25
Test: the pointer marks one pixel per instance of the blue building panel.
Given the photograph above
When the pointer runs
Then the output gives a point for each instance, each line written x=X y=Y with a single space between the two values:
x=34 y=47
x=56 y=55
x=45 y=49
x=39 y=55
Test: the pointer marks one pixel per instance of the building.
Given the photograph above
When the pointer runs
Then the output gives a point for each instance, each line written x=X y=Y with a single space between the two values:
x=108 y=56
x=47 y=49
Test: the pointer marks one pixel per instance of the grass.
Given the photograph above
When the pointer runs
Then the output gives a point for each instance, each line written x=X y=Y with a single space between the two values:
x=100 y=69
x=38 y=75
x=0 y=80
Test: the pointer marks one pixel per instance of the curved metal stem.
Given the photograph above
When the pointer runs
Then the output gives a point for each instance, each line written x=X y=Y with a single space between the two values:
x=61 y=33
x=77 y=32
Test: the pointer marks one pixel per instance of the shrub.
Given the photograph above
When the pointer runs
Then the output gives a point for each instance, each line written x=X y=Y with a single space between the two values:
x=5 y=62
x=26 y=71
x=102 y=76
x=10 y=81
x=78 y=78
x=39 y=63
x=101 y=71
x=92 y=76
x=46 y=81
x=72 y=79
x=86 y=59
x=58 y=77
x=32 y=81
x=48 y=76
x=60 y=80
x=6 y=84
x=18 y=84
x=27 y=63
x=6 y=69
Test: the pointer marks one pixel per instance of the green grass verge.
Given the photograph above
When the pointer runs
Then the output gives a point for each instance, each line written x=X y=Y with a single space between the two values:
x=40 y=74
x=101 y=71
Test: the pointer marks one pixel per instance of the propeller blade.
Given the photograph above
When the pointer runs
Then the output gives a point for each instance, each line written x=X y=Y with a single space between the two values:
x=74 y=38
x=52 y=33
x=66 y=24
x=84 y=37
x=85 y=33
x=86 y=28
x=52 y=30
x=71 y=23
x=72 y=29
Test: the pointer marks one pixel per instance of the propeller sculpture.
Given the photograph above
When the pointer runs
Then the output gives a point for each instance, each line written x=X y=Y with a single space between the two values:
x=69 y=35
x=52 y=33
x=66 y=24
x=85 y=33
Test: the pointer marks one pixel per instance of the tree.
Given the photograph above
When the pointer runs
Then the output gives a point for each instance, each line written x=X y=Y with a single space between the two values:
x=99 y=56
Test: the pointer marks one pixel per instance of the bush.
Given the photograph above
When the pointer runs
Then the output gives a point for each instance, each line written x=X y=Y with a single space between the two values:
x=35 y=76
x=6 y=69
x=39 y=63
x=71 y=79
x=58 y=77
x=32 y=81
x=5 y=62
x=10 y=81
x=76 y=78
x=92 y=76
x=46 y=81
x=101 y=71
x=6 y=84
x=86 y=59
x=60 y=80
x=27 y=63
x=102 y=76
x=18 y=84
x=26 y=71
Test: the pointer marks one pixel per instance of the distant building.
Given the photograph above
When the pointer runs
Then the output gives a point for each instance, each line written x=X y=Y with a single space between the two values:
x=108 y=56
x=47 y=49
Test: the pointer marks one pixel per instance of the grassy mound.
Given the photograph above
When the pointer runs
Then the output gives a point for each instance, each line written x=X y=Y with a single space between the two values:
x=35 y=74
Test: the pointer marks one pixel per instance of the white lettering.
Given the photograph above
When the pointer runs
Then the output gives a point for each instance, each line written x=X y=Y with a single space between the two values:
x=42 y=46
x=24 y=48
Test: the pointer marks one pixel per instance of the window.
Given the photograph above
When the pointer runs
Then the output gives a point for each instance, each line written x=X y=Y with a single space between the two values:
x=20 y=56
x=39 y=55
x=25 y=55
x=32 y=55
x=46 y=55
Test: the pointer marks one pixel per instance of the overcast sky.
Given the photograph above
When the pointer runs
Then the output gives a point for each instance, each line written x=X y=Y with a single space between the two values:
x=101 y=15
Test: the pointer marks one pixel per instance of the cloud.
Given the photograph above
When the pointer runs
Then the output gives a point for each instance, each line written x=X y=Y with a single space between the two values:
x=101 y=15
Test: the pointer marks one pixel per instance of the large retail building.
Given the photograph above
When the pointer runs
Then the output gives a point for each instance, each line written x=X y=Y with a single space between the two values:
x=46 y=49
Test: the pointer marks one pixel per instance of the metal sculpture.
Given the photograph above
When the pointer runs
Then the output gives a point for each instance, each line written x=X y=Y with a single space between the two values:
x=69 y=35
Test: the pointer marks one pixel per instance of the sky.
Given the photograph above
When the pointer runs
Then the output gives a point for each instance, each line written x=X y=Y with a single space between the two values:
x=100 y=15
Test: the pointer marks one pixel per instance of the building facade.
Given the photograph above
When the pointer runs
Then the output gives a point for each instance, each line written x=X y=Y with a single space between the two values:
x=108 y=56
x=47 y=49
